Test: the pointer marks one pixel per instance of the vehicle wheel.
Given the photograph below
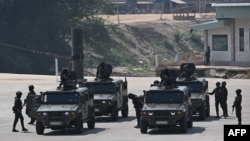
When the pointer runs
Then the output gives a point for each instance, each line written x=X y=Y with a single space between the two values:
x=144 y=126
x=207 y=106
x=183 y=125
x=125 y=111
x=114 y=113
x=202 y=113
x=39 y=128
x=91 y=122
x=78 y=125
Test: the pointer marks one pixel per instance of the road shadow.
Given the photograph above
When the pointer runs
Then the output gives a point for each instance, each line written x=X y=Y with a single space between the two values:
x=72 y=132
x=108 y=119
x=175 y=130
x=207 y=119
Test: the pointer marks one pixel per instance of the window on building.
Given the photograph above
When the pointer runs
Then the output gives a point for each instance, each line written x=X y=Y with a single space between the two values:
x=220 y=43
x=241 y=40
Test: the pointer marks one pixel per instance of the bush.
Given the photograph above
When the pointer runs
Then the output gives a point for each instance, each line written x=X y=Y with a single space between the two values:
x=167 y=44
x=177 y=36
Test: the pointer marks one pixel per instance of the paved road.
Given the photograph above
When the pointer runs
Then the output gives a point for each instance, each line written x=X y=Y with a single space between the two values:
x=209 y=130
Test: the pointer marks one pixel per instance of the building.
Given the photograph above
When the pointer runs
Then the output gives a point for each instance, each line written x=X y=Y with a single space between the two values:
x=228 y=35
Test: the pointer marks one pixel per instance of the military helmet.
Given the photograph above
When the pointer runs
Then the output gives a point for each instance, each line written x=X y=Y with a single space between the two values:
x=131 y=96
x=217 y=83
x=31 y=87
x=223 y=83
x=18 y=93
x=238 y=91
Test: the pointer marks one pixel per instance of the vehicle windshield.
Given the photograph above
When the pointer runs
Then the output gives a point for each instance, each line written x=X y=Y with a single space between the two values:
x=101 y=88
x=61 y=98
x=172 y=97
x=196 y=87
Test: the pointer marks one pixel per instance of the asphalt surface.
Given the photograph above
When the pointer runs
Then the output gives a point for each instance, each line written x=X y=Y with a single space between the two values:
x=122 y=130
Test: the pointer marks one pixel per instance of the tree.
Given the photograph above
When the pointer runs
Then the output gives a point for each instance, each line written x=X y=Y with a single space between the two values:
x=43 y=26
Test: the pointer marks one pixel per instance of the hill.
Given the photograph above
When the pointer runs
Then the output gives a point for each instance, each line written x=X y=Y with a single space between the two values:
x=152 y=40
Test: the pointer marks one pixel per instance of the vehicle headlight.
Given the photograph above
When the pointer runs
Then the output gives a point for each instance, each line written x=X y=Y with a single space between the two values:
x=73 y=113
x=66 y=114
x=144 y=113
x=179 y=112
x=150 y=113
x=38 y=114
x=45 y=114
x=103 y=102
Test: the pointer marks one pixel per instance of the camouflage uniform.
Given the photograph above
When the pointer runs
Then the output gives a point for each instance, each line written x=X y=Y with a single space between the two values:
x=29 y=102
x=237 y=105
x=138 y=107
x=17 y=109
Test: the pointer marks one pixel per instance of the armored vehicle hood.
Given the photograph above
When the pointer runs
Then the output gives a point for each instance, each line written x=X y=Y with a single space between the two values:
x=163 y=107
x=197 y=96
x=103 y=96
x=61 y=107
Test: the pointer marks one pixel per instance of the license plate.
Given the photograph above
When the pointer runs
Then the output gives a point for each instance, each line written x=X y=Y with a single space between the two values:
x=97 y=110
x=161 y=122
x=56 y=123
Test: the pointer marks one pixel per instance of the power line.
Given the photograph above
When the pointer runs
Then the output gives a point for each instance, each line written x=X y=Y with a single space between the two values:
x=36 y=51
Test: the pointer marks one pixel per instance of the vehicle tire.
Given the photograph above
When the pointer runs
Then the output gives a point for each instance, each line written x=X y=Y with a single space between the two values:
x=183 y=125
x=78 y=125
x=114 y=113
x=39 y=128
x=207 y=106
x=144 y=126
x=125 y=110
x=190 y=121
x=202 y=112
x=91 y=121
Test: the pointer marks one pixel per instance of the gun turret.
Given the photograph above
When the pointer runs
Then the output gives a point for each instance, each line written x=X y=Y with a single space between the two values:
x=103 y=71
x=168 y=79
x=187 y=70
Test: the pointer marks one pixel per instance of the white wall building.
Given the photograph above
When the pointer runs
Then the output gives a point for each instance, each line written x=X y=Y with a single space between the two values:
x=229 y=35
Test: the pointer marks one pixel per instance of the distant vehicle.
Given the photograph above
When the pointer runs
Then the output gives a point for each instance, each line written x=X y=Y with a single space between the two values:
x=167 y=105
x=67 y=107
x=110 y=95
x=199 y=87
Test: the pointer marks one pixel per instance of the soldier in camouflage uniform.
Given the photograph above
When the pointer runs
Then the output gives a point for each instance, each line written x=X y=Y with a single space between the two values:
x=138 y=107
x=237 y=105
x=29 y=102
x=17 y=110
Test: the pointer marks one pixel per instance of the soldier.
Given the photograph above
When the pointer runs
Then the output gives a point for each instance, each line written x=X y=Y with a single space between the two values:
x=224 y=97
x=218 y=98
x=138 y=107
x=237 y=105
x=65 y=75
x=17 y=109
x=29 y=104
x=103 y=71
x=207 y=56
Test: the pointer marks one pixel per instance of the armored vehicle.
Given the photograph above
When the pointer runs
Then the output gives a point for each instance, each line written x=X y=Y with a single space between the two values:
x=110 y=95
x=198 y=86
x=66 y=107
x=166 y=105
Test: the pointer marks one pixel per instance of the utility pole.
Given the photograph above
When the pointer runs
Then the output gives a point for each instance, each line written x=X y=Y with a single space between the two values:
x=162 y=8
x=118 y=18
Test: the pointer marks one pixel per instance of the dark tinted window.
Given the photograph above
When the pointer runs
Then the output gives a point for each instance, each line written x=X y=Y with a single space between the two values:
x=97 y=88
x=59 y=98
x=195 y=87
x=164 y=97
